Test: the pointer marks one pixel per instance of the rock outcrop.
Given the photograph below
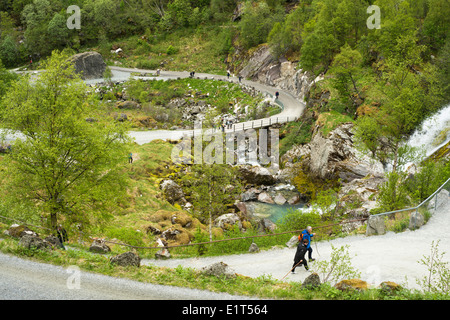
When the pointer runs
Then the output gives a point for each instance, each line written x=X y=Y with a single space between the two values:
x=172 y=191
x=335 y=156
x=89 y=65
x=126 y=259
x=219 y=269
x=263 y=67
x=353 y=284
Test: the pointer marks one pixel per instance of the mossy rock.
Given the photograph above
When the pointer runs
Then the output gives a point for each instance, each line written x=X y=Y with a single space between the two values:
x=182 y=219
x=19 y=231
x=352 y=284
x=162 y=215
x=246 y=224
x=390 y=287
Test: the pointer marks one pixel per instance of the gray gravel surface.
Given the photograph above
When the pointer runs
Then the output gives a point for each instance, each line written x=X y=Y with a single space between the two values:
x=389 y=257
x=22 y=279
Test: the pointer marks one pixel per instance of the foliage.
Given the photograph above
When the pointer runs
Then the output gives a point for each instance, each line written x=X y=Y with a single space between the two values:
x=257 y=22
x=65 y=164
x=393 y=194
x=438 y=278
x=6 y=80
x=211 y=187
x=299 y=220
x=338 y=268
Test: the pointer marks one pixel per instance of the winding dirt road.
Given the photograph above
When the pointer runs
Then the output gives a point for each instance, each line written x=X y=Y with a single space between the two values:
x=389 y=257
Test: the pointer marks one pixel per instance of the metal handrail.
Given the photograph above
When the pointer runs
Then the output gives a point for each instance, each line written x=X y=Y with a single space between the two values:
x=418 y=206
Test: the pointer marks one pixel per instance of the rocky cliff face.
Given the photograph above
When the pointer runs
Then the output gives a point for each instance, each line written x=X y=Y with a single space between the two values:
x=281 y=73
x=335 y=156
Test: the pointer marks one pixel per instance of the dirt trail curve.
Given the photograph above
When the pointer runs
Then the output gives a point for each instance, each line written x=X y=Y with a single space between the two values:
x=292 y=107
x=389 y=257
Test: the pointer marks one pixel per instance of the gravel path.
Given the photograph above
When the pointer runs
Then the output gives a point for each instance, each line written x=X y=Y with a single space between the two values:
x=292 y=107
x=22 y=279
x=389 y=257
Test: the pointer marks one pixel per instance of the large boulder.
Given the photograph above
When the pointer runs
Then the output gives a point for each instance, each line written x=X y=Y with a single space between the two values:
x=18 y=231
x=33 y=242
x=54 y=241
x=352 y=285
x=89 y=65
x=219 y=269
x=279 y=199
x=311 y=282
x=375 y=225
x=257 y=175
x=126 y=259
x=228 y=220
x=172 y=191
x=335 y=156
x=265 y=197
x=266 y=225
x=416 y=220
x=99 y=246
x=129 y=105
x=389 y=287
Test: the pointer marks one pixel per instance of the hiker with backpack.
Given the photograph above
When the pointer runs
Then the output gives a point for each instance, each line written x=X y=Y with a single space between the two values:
x=299 y=258
x=306 y=234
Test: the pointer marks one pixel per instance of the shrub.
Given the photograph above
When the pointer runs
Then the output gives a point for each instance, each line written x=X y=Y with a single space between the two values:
x=338 y=268
x=171 y=50
x=297 y=220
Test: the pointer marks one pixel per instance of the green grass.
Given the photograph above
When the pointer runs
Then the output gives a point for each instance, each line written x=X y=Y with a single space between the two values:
x=181 y=50
x=264 y=287
x=154 y=97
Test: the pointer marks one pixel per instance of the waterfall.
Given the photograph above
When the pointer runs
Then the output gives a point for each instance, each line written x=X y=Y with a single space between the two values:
x=433 y=133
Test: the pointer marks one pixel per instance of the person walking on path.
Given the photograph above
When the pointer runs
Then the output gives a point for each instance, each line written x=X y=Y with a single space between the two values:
x=61 y=234
x=306 y=234
x=130 y=158
x=299 y=258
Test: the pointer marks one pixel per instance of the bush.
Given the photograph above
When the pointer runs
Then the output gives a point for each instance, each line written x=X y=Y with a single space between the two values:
x=297 y=220
x=338 y=268
x=145 y=63
x=171 y=50
x=127 y=236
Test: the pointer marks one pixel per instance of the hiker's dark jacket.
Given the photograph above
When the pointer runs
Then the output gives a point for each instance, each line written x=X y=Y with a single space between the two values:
x=300 y=254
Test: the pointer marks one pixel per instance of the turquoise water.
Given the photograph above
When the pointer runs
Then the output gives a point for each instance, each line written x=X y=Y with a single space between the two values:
x=273 y=212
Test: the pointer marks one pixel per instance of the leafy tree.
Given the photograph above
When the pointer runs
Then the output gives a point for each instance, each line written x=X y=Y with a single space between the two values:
x=6 y=79
x=437 y=279
x=393 y=194
x=345 y=68
x=36 y=16
x=349 y=21
x=58 y=32
x=70 y=168
x=211 y=188
x=220 y=9
x=257 y=21
x=287 y=35
x=8 y=51
x=436 y=23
